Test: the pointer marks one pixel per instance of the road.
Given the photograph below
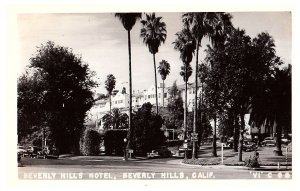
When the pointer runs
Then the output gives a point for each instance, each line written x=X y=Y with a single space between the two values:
x=111 y=168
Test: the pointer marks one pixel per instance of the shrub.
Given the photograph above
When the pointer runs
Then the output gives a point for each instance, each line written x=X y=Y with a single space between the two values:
x=114 y=141
x=90 y=143
x=252 y=162
x=147 y=130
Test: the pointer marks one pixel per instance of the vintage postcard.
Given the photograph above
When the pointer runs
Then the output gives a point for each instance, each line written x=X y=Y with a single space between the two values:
x=113 y=95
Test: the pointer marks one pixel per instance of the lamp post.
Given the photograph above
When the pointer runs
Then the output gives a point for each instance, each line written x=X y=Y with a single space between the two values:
x=125 y=153
x=185 y=145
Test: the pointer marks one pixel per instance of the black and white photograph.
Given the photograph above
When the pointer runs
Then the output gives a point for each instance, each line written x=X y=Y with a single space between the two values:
x=153 y=95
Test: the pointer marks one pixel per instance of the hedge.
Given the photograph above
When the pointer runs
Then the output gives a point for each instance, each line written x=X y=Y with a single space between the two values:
x=114 y=141
x=90 y=143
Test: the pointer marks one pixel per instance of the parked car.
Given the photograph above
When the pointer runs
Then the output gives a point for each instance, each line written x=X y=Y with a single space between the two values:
x=269 y=141
x=249 y=146
x=48 y=153
x=162 y=152
x=21 y=150
x=285 y=141
x=153 y=154
x=32 y=151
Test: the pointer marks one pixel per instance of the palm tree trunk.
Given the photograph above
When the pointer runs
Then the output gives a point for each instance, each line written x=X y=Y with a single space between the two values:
x=195 y=102
x=130 y=128
x=110 y=103
x=185 y=105
x=163 y=96
x=155 y=84
x=241 y=139
x=214 y=151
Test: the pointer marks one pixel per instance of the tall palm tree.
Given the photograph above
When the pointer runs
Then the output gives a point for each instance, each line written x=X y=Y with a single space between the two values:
x=203 y=24
x=128 y=20
x=186 y=45
x=110 y=84
x=154 y=33
x=164 y=71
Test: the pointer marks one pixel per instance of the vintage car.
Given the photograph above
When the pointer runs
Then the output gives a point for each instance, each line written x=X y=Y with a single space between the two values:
x=249 y=146
x=269 y=141
x=48 y=153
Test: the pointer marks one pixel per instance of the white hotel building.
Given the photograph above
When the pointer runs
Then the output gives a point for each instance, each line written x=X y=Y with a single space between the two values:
x=121 y=101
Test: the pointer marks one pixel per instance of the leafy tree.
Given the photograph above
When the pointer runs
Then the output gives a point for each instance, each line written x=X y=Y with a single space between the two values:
x=154 y=33
x=175 y=108
x=273 y=105
x=239 y=72
x=29 y=102
x=63 y=97
x=164 y=70
x=173 y=91
x=115 y=120
x=128 y=20
x=148 y=134
x=110 y=84
x=185 y=44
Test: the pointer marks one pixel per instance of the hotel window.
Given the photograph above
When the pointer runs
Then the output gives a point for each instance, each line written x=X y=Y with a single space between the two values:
x=165 y=95
x=148 y=96
x=159 y=95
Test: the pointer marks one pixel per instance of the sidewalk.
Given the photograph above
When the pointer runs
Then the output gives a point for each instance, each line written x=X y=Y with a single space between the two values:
x=99 y=158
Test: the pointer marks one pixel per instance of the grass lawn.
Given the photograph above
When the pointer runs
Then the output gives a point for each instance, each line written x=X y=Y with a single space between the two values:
x=266 y=157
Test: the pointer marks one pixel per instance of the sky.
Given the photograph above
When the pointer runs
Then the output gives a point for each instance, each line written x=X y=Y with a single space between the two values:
x=101 y=40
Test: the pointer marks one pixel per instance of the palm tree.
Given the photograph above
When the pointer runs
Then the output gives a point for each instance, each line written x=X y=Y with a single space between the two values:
x=203 y=24
x=154 y=33
x=164 y=71
x=110 y=84
x=128 y=20
x=115 y=120
x=186 y=45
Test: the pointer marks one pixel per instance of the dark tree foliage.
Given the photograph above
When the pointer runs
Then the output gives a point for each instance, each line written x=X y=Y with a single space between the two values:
x=29 y=103
x=175 y=107
x=148 y=134
x=238 y=75
x=114 y=141
x=90 y=143
x=273 y=105
x=64 y=96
